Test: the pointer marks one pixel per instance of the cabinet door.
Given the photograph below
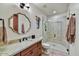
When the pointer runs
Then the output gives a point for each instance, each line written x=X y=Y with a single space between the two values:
x=39 y=51
x=29 y=51
x=35 y=52
x=39 y=48
x=25 y=52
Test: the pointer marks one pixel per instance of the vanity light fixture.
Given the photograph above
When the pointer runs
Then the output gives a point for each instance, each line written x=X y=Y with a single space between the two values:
x=24 y=5
x=27 y=5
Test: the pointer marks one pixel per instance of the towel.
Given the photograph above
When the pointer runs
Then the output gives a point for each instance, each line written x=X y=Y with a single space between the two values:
x=3 y=35
x=71 y=30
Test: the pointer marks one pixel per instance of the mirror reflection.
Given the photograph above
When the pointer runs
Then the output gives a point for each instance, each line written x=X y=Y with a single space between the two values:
x=19 y=23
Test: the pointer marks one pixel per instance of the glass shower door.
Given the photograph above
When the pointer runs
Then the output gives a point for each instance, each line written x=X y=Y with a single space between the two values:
x=54 y=31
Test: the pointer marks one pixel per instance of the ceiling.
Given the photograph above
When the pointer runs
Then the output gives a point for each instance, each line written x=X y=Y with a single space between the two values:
x=52 y=8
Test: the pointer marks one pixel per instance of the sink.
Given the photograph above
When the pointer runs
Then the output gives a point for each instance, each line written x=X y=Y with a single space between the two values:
x=30 y=39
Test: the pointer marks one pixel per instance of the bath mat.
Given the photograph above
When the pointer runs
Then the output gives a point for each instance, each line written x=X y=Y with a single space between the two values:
x=57 y=53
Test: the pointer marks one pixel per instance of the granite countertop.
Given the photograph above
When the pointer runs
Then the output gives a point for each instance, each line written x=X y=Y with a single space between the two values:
x=12 y=49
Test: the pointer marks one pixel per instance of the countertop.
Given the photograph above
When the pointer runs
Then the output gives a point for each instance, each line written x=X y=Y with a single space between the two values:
x=12 y=49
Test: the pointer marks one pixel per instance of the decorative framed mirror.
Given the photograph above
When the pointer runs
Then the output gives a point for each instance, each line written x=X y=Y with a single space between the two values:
x=19 y=23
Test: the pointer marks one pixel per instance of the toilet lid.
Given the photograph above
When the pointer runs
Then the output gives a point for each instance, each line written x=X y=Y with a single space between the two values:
x=45 y=44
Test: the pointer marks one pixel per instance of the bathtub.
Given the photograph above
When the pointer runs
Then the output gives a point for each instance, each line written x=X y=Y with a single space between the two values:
x=55 y=49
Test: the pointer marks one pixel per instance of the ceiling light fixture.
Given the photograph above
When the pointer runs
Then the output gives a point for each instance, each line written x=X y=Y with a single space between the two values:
x=54 y=12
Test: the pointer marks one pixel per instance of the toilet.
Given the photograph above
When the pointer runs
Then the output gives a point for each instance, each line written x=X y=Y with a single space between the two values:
x=46 y=47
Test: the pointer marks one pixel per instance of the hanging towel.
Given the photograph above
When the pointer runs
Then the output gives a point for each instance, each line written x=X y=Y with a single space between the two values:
x=3 y=35
x=71 y=30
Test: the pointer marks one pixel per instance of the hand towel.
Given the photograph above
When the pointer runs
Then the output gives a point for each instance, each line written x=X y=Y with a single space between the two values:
x=5 y=36
x=71 y=30
x=1 y=34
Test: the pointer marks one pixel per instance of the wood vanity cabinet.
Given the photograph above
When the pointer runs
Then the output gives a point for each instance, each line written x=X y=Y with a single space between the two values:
x=34 y=50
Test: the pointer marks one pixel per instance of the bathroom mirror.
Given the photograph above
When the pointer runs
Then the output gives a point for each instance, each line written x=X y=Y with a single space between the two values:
x=19 y=23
